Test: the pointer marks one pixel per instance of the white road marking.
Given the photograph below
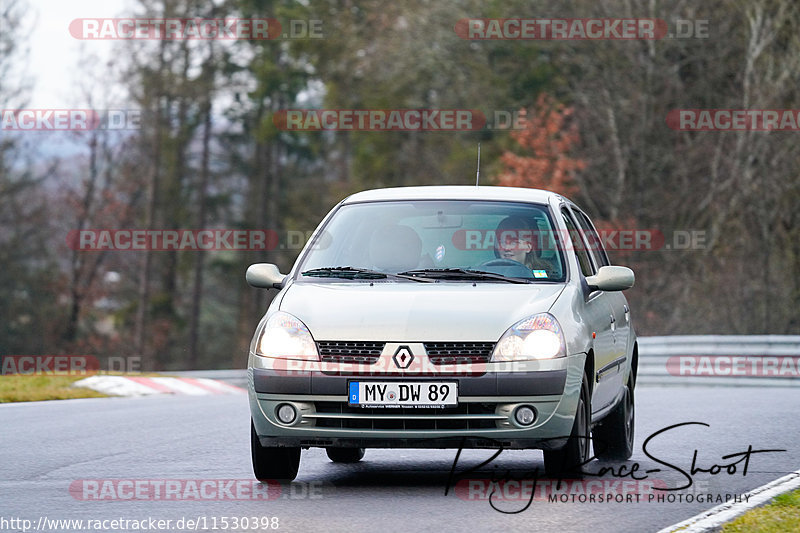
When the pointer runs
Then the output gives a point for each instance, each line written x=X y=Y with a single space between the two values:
x=116 y=386
x=122 y=386
x=181 y=387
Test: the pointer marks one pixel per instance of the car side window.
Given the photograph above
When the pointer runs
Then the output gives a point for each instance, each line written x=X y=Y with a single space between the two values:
x=593 y=239
x=577 y=245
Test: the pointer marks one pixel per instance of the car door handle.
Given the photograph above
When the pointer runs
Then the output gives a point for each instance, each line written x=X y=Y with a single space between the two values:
x=613 y=323
x=627 y=312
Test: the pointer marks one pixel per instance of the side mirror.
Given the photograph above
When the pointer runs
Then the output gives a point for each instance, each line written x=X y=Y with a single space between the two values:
x=264 y=276
x=611 y=278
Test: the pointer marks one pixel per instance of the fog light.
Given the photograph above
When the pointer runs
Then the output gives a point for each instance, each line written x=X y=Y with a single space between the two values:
x=525 y=415
x=286 y=413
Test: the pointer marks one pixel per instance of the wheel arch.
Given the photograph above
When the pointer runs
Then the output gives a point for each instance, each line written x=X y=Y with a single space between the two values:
x=589 y=370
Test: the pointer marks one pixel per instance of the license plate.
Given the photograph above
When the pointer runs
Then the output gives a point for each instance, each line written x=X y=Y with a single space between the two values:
x=401 y=394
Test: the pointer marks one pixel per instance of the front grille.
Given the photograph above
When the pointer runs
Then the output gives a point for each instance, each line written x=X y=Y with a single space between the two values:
x=439 y=353
x=448 y=353
x=339 y=415
x=355 y=352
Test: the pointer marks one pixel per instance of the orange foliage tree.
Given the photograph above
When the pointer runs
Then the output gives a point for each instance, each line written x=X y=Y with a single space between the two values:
x=549 y=135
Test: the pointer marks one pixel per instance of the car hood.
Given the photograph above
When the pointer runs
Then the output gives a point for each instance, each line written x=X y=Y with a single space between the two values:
x=409 y=311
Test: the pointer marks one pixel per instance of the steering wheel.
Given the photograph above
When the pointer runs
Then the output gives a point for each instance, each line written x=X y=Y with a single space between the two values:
x=500 y=263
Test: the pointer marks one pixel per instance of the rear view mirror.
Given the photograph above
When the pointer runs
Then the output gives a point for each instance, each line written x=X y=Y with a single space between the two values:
x=442 y=221
x=612 y=278
x=264 y=276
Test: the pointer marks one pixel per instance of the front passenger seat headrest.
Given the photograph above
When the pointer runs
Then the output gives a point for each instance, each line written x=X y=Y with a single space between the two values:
x=395 y=248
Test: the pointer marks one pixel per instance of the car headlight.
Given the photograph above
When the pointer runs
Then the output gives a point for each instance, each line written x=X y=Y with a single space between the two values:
x=285 y=336
x=536 y=337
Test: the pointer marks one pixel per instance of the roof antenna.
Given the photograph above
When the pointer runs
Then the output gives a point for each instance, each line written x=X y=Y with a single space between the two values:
x=478 y=175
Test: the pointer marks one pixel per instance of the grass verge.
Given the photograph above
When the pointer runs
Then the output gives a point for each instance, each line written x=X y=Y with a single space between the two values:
x=21 y=388
x=781 y=515
x=27 y=388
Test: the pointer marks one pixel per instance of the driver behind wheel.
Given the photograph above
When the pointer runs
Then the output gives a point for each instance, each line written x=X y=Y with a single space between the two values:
x=514 y=240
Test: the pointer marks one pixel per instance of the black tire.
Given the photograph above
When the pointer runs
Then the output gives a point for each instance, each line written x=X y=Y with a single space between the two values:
x=613 y=437
x=273 y=463
x=567 y=462
x=345 y=455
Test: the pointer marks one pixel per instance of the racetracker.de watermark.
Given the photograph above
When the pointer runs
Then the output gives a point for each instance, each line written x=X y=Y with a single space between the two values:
x=610 y=239
x=69 y=119
x=558 y=491
x=143 y=523
x=179 y=29
x=379 y=120
x=192 y=490
x=458 y=366
x=561 y=28
x=766 y=366
x=65 y=365
x=165 y=240
x=734 y=119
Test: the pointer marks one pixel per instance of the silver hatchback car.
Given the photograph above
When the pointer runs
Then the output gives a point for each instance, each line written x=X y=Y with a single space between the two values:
x=445 y=317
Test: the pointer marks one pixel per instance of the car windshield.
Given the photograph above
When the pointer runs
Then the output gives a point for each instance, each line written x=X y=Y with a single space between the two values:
x=434 y=239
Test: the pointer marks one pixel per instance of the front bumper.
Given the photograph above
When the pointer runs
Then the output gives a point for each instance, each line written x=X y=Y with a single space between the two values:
x=484 y=417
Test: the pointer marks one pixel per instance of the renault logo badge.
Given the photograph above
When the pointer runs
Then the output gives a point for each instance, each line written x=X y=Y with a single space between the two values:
x=403 y=357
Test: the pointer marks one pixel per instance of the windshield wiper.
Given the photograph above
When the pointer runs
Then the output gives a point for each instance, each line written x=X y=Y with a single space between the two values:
x=460 y=273
x=348 y=272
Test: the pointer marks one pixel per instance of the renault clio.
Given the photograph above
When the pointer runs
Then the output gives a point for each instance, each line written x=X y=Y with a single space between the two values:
x=445 y=317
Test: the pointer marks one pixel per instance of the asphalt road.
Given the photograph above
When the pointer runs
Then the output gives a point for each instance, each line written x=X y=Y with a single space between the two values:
x=48 y=447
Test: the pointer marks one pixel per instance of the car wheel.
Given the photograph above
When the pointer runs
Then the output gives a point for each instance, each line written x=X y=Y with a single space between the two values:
x=345 y=455
x=568 y=461
x=613 y=437
x=273 y=463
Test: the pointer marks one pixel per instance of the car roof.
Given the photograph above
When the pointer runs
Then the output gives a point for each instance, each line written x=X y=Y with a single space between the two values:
x=454 y=192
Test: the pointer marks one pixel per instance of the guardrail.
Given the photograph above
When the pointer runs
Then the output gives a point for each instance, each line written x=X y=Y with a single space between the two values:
x=720 y=360
x=682 y=360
